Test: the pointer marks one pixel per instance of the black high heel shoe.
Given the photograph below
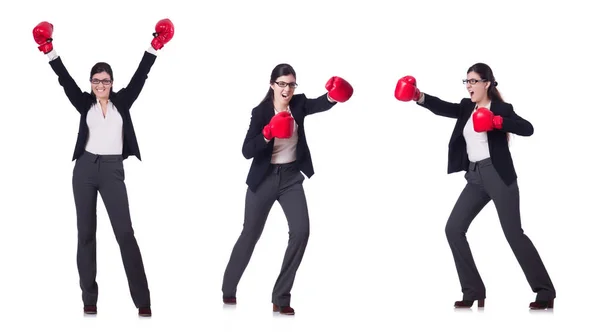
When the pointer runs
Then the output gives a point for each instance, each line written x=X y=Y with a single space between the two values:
x=469 y=303
x=541 y=305
x=232 y=300
x=284 y=310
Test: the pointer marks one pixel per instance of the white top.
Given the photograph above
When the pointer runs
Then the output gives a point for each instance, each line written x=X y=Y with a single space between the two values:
x=284 y=150
x=477 y=143
x=105 y=133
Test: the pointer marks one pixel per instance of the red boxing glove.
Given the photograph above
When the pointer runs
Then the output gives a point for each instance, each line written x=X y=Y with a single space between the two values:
x=406 y=89
x=485 y=120
x=42 y=34
x=339 y=89
x=281 y=126
x=164 y=32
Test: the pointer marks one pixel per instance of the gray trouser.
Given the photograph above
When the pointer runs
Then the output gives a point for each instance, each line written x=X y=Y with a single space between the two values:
x=484 y=184
x=283 y=184
x=105 y=174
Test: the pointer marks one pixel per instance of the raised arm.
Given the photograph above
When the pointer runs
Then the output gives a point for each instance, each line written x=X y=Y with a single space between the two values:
x=42 y=34
x=406 y=90
x=339 y=91
x=79 y=99
x=438 y=106
x=164 y=31
x=320 y=104
x=130 y=93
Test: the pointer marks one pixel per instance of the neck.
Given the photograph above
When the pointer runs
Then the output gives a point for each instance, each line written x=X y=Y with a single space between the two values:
x=279 y=105
x=483 y=102
x=103 y=101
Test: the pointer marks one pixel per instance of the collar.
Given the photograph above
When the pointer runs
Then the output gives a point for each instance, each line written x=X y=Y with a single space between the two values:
x=285 y=110
x=108 y=102
x=488 y=105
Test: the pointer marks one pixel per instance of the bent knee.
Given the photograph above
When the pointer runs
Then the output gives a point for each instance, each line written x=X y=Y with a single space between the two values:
x=514 y=234
x=453 y=232
x=301 y=235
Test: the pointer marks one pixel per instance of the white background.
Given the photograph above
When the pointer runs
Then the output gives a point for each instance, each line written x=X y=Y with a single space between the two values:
x=379 y=200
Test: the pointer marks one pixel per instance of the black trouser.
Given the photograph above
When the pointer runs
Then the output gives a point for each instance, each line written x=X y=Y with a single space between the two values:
x=105 y=174
x=283 y=184
x=484 y=184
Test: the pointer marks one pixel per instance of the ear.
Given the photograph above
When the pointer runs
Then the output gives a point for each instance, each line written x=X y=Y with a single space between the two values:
x=487 y=85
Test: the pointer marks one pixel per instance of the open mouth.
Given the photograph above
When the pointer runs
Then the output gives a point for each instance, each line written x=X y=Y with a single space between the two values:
x=285 y=95
x=471 y=93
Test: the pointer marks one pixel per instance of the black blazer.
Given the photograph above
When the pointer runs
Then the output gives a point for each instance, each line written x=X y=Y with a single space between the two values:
x=123 y=100
x=260 y=151
x=497 y=139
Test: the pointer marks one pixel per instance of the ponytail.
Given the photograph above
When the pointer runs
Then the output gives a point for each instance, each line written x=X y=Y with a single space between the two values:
x=269 y=96
x=495 y=95
x=493 y=92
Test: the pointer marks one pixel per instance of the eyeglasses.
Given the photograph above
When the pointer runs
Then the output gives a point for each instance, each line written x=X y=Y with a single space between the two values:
x=105 y=81
x=473 y=81
x=292 y=85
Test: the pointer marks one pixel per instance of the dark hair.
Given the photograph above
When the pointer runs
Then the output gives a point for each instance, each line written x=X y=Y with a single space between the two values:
x=101 y=67
x=487 y=75
x=282 y=69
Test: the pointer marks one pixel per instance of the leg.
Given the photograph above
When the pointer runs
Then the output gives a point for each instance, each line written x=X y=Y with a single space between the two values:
x=114 y=195
x=258 y=206
x=86 y=197
x=470 y=202
x=506 y=199
x=293 y=203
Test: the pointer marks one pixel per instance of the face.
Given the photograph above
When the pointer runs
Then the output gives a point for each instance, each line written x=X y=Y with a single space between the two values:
x=284 y=87
x=476 y=88
x=101 y=84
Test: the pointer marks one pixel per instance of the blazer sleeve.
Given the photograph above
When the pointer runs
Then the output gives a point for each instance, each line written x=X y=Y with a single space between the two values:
x=318 y=105
x=130 y=93
x=254 y=142
x=513 y=123
x=440 y=107
x=77 y=98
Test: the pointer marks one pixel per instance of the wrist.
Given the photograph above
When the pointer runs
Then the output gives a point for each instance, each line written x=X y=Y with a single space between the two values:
x=52 y=55
x=330 y=100
x=421 y=98
x=152 y=50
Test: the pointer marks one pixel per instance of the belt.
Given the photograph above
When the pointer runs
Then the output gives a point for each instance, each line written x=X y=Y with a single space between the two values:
x=485 y=162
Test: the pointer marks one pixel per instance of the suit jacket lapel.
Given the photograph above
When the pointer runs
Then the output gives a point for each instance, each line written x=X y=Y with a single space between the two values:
x=462 y=120
x=497 y=109
x=269 y=111
x=296 y=114
x=467 y=112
